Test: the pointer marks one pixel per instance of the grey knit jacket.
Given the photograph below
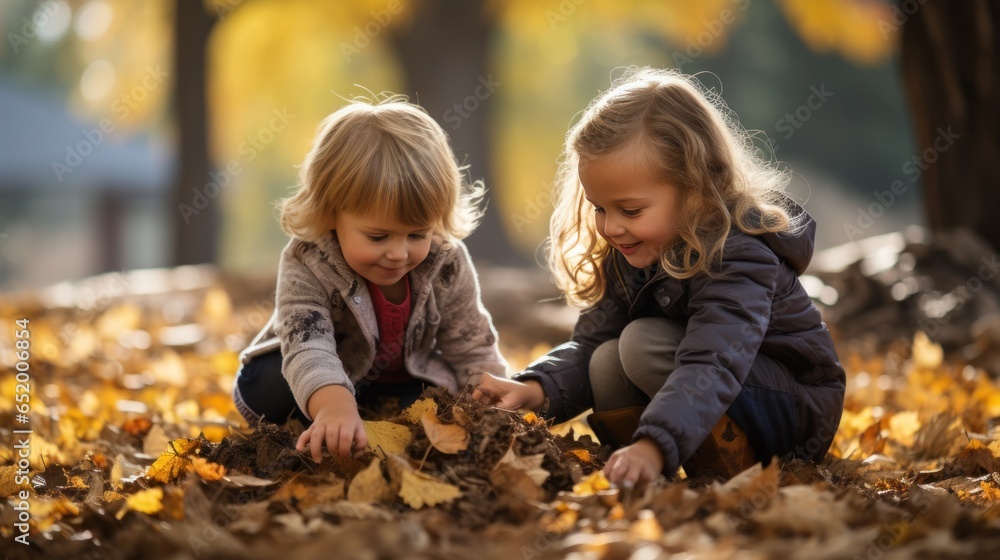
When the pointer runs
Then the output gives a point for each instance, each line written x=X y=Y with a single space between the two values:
x=325 y=321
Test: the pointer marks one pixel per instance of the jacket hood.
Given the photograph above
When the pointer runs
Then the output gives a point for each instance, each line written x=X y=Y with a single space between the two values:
x=797 y=245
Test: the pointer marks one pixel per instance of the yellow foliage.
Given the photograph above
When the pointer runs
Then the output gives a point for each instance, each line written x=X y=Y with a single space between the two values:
x=172 y=462
x=148 y=501
x=388 y=437
x=855 y=28
x=419 y=490
x=416 y=410
x=592 y=484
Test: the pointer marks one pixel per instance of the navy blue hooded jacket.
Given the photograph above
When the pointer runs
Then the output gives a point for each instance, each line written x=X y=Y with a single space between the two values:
x=755 y=304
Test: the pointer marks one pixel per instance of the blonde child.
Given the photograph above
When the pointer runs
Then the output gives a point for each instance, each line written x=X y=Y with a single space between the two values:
x=376 y=293
x=699 y=346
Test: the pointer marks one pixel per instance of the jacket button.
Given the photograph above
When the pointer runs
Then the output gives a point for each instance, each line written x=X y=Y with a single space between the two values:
x=357 y=299
x=664 y=301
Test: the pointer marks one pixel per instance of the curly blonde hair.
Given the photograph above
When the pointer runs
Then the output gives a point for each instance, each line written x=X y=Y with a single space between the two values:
x=684 y=135
x=384 y=156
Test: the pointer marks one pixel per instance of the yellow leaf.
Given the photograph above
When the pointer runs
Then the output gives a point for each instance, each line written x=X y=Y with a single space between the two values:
x=206 y=470
x=592 y=484
x=46 y=511
x=926 y=354
x=421 y=490
x=416 y=410
x=369 y=485
x=391 y=438
x=532 y=418
x=8 y=485
x=172 y=462
x=148 y=501
x=446 y=438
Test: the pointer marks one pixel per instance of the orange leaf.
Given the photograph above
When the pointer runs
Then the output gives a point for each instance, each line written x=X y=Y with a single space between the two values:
x=446 y=438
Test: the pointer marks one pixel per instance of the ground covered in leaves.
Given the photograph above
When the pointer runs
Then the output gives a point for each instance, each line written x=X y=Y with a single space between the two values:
x=135 y=450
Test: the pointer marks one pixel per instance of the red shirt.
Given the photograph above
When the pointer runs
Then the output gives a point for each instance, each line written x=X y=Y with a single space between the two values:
x=392 y=318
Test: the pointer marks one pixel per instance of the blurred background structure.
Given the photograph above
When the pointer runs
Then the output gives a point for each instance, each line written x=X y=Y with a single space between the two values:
x=162 y=132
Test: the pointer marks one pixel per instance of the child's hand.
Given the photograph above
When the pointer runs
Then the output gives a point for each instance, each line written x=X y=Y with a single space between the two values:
x=507 y=393
x=336 y=423
x=635 y=464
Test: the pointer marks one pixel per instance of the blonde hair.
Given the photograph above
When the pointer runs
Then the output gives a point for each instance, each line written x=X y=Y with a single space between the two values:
x=385 y=156
x=683 y=135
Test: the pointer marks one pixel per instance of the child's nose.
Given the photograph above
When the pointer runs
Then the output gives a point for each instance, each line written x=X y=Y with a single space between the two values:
x=613 y=227
x=396 y=252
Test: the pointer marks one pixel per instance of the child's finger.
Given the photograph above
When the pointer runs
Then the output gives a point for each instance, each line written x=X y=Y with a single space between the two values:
x=316 y=442
x=360 y=437
x=300 y=444
x=345 y=442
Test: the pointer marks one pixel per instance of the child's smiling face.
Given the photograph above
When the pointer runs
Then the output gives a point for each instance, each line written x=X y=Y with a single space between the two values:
x=635 y=213
x=381 y=249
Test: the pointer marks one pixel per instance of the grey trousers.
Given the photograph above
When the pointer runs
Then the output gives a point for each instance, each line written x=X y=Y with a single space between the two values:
x=779 y=414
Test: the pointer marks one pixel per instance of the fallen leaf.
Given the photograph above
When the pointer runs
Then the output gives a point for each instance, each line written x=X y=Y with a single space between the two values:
x=8 y=486
x=156 y=440
x=507 y=478
x=207 y=471
x=530 y=465
x=148 y=501
x=369 y=485
x=419 y=490
x=416 y=410
x=592 y=484
x=173 y=461
x=446 y=438
x=391 y=438
x=137 y=426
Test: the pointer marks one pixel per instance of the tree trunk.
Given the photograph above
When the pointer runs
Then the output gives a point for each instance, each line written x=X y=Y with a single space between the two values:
x=195 y=216
x=445 y=56
x=951 y=64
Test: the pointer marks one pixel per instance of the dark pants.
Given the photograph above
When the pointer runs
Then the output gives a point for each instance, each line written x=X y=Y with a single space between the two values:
x=261 y=391
x=781 y=416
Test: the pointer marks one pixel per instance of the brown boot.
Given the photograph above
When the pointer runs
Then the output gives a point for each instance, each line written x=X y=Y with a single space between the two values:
x=725 y=453
x=616 y=427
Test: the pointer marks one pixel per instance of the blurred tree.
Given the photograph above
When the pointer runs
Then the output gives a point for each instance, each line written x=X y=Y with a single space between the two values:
x=951 y=67
x=196 y=219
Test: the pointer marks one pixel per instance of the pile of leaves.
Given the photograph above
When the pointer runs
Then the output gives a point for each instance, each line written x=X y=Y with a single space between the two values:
x=136 y=449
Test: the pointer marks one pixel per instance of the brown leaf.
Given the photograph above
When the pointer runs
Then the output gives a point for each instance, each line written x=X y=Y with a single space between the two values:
x=446 y=438
x=419 y=490
x=530 y=465
x=508 y=478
